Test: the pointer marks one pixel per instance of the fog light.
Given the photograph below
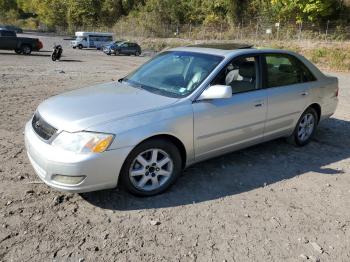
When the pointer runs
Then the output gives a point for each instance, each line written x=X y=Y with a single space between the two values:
x=70 y=180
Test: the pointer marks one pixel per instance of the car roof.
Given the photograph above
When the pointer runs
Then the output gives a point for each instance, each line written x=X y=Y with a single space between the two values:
x=227 y=52
x=223 y=46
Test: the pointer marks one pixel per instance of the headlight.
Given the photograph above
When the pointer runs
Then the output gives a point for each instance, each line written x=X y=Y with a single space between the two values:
x=83 y=142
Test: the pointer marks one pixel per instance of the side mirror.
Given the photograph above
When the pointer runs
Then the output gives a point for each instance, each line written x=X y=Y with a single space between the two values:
x=216 y=92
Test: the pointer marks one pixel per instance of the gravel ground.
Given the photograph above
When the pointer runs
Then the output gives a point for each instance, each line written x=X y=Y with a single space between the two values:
x=272 y=202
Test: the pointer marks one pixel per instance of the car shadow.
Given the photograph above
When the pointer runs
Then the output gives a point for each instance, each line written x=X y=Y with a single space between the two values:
x=71 y=60
x=242 y=171
x=32 y=54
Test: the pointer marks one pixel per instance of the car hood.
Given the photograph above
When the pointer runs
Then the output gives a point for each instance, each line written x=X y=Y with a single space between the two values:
x=83 y=108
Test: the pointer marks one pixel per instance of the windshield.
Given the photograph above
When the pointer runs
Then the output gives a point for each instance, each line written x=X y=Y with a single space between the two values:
x=174 y=73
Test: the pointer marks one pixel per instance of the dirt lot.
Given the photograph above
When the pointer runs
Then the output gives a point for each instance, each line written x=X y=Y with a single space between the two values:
x=272 y=202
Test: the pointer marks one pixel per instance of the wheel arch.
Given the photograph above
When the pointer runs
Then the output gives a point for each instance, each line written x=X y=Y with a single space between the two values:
x=317 y=108
x=174 y=140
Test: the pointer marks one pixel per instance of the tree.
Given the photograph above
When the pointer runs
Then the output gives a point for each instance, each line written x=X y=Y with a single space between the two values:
x=300 y=10
x=111 y=11
x=51 y=12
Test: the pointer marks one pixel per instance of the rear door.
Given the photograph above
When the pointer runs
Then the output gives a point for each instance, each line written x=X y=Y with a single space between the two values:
x=125 y=48
x=287 y=81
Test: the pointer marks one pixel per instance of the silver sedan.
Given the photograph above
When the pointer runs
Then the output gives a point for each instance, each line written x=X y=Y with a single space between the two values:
x=183 y=106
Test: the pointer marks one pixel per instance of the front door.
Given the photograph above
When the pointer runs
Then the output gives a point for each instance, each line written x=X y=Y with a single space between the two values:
x=222 y=125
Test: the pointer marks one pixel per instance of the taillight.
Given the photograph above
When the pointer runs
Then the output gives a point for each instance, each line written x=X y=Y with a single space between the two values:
x=39 y=45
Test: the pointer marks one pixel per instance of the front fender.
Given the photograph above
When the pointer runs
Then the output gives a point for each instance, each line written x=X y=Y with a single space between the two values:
x=176 y=121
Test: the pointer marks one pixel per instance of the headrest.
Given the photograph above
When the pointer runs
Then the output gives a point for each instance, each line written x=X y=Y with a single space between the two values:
x=247 y=69
x=286 y=68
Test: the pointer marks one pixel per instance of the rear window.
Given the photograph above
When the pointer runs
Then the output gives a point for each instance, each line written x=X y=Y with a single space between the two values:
x=285 y=70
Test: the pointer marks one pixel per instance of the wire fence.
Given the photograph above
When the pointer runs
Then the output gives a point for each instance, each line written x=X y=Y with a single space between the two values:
x=246 y=30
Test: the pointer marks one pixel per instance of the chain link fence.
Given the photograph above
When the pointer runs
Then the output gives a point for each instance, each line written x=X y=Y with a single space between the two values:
x=254 y=29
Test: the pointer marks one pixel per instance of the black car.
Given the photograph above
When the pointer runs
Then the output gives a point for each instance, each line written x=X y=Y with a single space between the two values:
x=126 y=48
x=12 y=28
x=21 y=45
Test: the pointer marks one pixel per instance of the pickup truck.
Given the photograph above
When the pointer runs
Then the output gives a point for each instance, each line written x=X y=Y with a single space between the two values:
x=21 y=45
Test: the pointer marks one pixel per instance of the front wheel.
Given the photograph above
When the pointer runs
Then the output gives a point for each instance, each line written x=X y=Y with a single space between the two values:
x=80 y=46
x=151 y=168
x=137 y=53
x=53 y=57
x=305 y=128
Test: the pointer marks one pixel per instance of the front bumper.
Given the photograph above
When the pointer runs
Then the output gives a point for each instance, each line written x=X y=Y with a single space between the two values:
x=107 y=51
x=74 y=44
x=101 y=170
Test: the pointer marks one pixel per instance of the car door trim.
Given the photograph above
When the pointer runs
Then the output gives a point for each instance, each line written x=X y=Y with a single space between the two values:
x=229 y=130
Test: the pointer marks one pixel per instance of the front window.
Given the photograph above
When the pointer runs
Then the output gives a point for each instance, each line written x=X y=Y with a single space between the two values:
x=240 y=74
x=80 y=38
x=174 y=73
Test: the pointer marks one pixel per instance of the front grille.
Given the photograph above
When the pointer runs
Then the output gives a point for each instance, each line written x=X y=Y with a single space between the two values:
x=42 y=128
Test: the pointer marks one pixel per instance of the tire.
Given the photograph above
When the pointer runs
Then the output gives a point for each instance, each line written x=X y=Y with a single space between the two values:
x=18 y=51
x=137 y=53
x=148 y=178
x=74 y=47
x=53 y=57
x=26 y=49
x=80 y=46
x=116 y=52
x=307 y=122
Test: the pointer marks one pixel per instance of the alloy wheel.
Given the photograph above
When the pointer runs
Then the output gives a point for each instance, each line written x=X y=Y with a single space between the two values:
x=306 y=127
x=151 y=169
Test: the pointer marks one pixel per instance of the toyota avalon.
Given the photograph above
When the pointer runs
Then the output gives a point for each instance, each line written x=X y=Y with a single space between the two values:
x=183 y=106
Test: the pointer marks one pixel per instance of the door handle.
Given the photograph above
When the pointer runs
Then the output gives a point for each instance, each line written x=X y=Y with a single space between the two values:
x=304 y=93
x=260 y=104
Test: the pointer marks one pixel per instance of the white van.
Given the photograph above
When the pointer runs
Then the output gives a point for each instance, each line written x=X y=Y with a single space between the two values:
x=91 y=40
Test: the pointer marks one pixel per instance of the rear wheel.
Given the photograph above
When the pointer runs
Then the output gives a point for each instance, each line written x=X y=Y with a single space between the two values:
x=305 y=128
x=18 y=51
x=151 y=167
x=26 y=49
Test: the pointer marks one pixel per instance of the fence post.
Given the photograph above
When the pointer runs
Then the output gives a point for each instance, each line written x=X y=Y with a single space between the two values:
x=327 y=29
x=221 y=31
x=300 y=28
